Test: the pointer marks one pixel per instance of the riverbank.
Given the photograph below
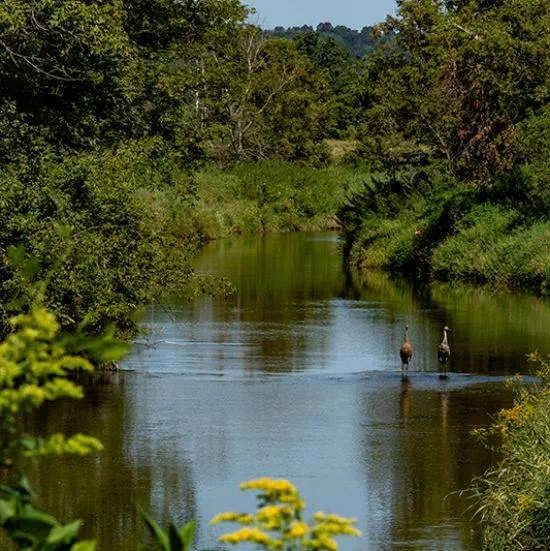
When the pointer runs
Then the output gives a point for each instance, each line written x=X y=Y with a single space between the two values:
x=144 y=215
x=513 y=497
x=453 y=237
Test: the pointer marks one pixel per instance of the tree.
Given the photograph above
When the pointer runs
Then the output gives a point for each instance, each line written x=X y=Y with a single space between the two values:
x=458 y=77
x=66 y=65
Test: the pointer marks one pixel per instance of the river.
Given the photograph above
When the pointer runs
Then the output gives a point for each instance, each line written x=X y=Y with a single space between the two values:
x=297 y=376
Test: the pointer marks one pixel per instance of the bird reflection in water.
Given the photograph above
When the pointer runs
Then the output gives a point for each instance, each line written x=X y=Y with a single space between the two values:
x=405 y=400
x=444 y=408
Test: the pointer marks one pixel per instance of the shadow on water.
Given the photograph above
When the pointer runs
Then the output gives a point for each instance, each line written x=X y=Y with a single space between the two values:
x=297 y=376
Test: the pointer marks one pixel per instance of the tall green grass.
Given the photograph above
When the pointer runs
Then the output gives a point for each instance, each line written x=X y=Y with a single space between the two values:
x=494 y=245
x=271 y=196
x=514 y=496
x=480 y=243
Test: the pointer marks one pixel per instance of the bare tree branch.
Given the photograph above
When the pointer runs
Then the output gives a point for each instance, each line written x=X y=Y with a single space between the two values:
x=31 y=61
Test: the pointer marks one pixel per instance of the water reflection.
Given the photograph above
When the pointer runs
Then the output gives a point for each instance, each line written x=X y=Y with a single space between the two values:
x=492 y=332
x=135 y=468
x=297 y=311
x=297 y=376
x=418 y=452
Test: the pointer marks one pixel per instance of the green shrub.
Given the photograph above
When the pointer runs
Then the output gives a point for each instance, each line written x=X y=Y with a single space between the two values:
x=36 y=361
x=109 y=229
x=472 y=253
x=386 y=244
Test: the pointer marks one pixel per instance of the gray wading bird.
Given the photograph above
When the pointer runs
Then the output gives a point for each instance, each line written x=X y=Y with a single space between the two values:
x=406 y=350
x=444 y=351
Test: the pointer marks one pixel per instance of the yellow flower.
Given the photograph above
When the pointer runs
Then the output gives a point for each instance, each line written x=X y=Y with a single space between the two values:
x=232 y=517
x=271 y=512
x=294 y=501
x=335 y=519
x=272 y=517
x=253 y=535
x=270 y=486
x=280 y=516
x=298 y=530
x=335 y=525
x=322 y=543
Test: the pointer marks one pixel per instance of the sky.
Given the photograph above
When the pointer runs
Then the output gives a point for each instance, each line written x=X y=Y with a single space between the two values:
x=355 y=14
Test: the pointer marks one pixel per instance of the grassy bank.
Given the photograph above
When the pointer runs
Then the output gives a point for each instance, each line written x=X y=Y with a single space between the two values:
x=270 y=196
x=514 y=497
x=454 y=236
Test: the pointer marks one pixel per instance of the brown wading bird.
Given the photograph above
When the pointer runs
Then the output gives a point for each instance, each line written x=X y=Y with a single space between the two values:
x=406 y=350
x=444 y=351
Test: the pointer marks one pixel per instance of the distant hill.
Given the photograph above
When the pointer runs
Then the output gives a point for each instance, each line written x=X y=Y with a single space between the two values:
x=360 y=42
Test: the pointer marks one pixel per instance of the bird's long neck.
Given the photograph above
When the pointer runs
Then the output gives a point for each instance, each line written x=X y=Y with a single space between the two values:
x=445 y=336
x=406 y=335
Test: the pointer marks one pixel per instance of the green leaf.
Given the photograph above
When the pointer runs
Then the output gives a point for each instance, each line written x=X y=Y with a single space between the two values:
x=7 y=510
x=187 y=534
x=160 y=536
x=28 y=529
x=24 y=486
x=20 y=261
x=33 y=526
x=30 y=513
x=63 y=534
x=86 y=545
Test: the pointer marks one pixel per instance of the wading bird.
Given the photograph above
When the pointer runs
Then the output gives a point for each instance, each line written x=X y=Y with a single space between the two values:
x=406 y=350
x=444 y=351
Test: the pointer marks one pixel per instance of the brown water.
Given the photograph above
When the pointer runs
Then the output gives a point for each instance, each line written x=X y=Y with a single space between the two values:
x=297 y=376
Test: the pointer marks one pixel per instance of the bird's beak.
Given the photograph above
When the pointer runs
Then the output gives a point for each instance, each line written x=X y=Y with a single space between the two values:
x=449 y=330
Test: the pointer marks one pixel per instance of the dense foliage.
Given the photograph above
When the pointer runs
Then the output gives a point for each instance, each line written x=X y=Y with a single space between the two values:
x=514 y=496
x=36 y=361
x=107 y=108
x=455 y=128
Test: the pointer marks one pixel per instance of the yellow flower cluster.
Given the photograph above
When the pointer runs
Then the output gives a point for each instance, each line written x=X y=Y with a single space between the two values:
x=298 y=530
x=252 y=535
x=321 y=543
x=273 y=517
x=233 y=517
x=270 y=485
x=59 y=444
x=281 y=514
x=517 y=415
x=34 y=366
x=276 y=491
x=327 y=527
x=335 y=525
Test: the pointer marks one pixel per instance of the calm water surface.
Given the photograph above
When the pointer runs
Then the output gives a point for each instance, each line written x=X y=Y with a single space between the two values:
x=297 y=376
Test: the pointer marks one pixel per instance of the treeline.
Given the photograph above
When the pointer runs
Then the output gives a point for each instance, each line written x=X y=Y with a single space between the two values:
x=360 y=43
x=111 y=113
x=120 y=121
x=456 y=132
